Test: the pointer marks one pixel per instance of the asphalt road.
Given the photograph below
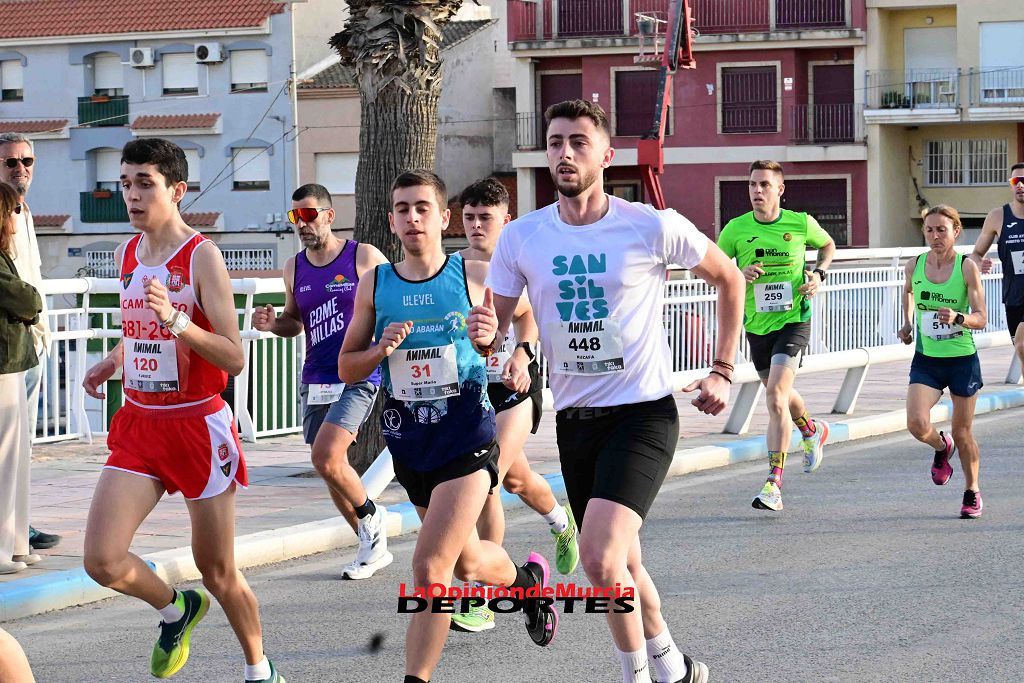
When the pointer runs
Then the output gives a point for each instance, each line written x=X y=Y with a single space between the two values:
x=868 y=575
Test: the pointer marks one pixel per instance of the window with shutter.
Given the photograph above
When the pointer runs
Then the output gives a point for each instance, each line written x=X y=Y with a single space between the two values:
x=251 y=169
x=248 y=71
x=11 y=81
x=337 y=171
x=749 y=99
x=180 y=73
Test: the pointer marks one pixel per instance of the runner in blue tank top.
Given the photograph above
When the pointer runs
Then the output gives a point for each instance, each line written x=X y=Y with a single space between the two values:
x=438 y=421
x=320 y=289
x=1005 y=227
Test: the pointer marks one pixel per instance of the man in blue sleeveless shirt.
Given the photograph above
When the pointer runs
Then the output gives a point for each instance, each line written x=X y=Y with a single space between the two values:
x=1005 y=225
x=438 y=420
x=320 y=288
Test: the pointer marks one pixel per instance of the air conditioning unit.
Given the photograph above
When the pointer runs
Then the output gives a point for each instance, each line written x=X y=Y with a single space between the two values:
x=208 y=53
x=141 y=57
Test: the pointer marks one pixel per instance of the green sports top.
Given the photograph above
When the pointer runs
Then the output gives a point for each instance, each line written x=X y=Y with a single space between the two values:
x=934 y=338
x=779 y=247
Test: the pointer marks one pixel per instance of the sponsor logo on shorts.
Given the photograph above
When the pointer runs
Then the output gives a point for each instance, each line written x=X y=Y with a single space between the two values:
x=222 y=452
x=226 y=469
x=176 y=279
x=480 y=454
x=392 y=419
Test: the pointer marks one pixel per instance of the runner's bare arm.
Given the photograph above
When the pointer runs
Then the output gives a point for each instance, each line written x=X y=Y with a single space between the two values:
x=223 y=346
x=989 y=233
x=358 y=357
x=978 y=317
x=516 y=373
x=525 y=323
x=289 y=323
x=98 y=374
x=906 y=332
x=720 y=272
x=368 y=257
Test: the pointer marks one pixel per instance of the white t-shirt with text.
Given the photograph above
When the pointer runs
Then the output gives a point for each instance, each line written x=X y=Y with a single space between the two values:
x=597 y=293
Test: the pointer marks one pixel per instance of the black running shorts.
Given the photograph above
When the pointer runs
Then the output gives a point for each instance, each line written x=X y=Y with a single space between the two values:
x=1014 y=317
x=503 y=398
x=784 y=346
x=419 y=485
x=620 y=453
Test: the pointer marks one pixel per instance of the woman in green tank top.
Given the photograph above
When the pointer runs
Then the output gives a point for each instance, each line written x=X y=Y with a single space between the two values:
x=943 y=301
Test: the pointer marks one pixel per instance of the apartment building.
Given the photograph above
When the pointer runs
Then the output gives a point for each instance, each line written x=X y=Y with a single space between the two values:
x=774 y=79
x=944 y=109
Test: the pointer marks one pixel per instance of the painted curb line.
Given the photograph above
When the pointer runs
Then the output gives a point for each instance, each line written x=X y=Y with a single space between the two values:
x=57 y=590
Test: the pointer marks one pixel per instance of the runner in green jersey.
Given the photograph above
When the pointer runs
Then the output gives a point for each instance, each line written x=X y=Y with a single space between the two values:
x=944 y=300
x=769 y=245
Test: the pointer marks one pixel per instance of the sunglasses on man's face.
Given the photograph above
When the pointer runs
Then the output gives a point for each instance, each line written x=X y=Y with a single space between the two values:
x=1017 y=180
x=12 y=162
x=306 y=215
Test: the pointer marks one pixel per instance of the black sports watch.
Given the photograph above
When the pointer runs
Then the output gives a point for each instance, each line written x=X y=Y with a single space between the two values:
x=821 y=273
x=528 y=348
x=958 y=319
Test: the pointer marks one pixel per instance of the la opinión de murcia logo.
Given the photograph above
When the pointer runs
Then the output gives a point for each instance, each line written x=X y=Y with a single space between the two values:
x=440 y=599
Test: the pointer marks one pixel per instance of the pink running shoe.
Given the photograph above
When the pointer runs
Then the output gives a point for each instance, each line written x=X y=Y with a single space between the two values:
x=972 y=506
x=541 y=619
x=942 y=470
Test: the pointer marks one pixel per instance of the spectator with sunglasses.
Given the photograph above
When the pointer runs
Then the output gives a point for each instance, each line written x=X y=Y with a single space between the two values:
x=17 y=157
x=20 y=305
x=1005 y=226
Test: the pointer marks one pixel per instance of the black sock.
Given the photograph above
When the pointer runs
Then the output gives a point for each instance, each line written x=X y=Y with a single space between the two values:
x=413 y=679
x=525 y=578
x=366 y=509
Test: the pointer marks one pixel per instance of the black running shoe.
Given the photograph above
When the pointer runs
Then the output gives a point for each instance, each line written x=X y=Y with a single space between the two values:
x=40 y=540
x=541 y=620
x=696 y=672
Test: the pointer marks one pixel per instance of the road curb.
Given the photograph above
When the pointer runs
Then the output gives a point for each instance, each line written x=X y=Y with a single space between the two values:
x=38 y=594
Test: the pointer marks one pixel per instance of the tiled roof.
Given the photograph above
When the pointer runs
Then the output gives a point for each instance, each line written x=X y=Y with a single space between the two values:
x=49 y=220
x=27 y=127
x=205 y=219
x=339 y=75
x=38 y=18
x=157 y=122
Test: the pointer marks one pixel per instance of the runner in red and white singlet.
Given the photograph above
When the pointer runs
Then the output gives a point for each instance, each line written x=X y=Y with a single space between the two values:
x=165 y=379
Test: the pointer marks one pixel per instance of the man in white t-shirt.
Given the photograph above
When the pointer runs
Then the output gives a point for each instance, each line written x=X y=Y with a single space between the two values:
x=596 y=288
x=17 y=157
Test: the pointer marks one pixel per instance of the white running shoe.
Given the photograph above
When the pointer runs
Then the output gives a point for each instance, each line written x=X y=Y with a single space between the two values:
x=373 y=547
x=814 y=447
x=770 y=497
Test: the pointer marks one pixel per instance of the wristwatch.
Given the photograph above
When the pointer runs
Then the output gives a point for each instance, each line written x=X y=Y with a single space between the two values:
x=528 y=348
x=959 y=319
x=177 y=323
x=821 y=273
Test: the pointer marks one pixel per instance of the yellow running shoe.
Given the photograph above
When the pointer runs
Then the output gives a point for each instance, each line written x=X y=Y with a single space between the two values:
x=171 y=650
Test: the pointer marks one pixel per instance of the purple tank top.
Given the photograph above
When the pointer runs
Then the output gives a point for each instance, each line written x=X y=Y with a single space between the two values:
x=326 y=296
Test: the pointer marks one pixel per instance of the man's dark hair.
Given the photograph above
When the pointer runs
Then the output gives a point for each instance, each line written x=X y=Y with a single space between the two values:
x=168 y=158
x=422 y=178
x=578 y=109
x=1016 y=166
x=317 y=192
x=485 y=192
x=767 y=165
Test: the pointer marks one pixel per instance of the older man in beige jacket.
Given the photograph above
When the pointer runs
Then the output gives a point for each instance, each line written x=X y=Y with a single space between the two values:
x=17 y=156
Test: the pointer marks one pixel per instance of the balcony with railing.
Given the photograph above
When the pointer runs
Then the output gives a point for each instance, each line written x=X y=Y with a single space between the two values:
x=102 y=206
x=826 y=124
x=103 y=110
x=912 y=96
x=536 y=20
x=996 y=86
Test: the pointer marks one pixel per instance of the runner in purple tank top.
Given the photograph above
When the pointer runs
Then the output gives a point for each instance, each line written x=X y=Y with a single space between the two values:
x=320 y=287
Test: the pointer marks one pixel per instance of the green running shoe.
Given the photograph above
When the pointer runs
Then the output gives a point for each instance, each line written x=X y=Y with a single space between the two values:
x=567 y=546
x=477 y=619
x=274 y=676
x=171 y=650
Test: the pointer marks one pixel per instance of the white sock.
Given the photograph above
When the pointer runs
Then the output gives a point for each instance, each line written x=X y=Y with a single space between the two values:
x=666 y=659
x=171 y=613
x=557 y=519
x=634 y=667
x=258 y=672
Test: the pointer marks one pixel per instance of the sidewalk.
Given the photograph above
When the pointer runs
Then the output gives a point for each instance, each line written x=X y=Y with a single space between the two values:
x=285 y=491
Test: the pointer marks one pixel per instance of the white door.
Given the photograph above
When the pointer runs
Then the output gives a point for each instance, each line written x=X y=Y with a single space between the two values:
x=929 y=56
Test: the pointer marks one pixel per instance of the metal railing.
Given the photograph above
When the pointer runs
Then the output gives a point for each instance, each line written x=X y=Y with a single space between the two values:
x=826 y=124
x=996 y=86
x=858 y=308
x=551 y=19
x=103 y=110
x=913 y=89
x=530 y=130
x=102 y=206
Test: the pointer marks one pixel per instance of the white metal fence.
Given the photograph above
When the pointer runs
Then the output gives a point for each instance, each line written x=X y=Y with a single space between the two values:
x=858 y=308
